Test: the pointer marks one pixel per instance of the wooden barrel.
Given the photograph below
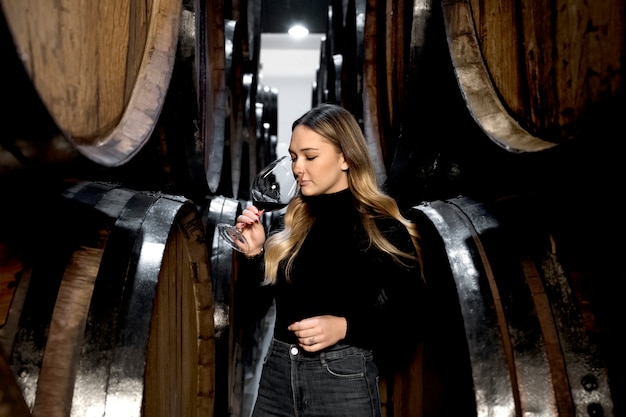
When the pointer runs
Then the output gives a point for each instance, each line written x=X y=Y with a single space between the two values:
x=537 y=76
x=521 y=319
x=113 y=313
x=103 y=88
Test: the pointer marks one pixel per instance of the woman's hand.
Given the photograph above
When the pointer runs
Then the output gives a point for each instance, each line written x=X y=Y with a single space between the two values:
x=319 y=332
x=249 y=222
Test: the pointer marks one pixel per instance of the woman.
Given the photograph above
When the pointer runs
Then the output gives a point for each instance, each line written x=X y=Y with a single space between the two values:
x=344 y=272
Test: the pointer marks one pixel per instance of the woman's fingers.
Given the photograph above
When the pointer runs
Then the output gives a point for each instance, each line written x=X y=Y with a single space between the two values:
x=249 y=216
x=318 y=332
x=250 y=226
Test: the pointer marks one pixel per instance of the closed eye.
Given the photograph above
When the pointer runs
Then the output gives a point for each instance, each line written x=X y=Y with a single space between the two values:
x=308 y=158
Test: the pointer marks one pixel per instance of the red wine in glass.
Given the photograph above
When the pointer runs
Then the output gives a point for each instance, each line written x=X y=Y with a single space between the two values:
x=268 y=205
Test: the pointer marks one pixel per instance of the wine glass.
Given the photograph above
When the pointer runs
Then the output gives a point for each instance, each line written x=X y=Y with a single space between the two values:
x=271 y=190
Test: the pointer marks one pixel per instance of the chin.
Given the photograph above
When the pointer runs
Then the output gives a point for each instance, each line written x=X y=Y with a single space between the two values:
x=308 y=192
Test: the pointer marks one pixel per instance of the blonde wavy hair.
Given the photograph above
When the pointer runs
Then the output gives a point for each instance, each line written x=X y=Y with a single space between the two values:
x=339 y=127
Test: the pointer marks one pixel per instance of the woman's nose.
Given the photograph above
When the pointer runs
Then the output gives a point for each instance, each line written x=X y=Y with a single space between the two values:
x=297 y=169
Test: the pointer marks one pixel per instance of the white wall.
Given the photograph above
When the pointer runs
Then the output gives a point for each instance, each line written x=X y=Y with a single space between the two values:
x=289 y=65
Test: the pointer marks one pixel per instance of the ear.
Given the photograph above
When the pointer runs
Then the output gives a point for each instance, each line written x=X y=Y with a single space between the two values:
x=344 y=164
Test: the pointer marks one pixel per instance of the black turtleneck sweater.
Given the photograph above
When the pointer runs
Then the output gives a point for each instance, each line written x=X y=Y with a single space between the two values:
x=336 y=273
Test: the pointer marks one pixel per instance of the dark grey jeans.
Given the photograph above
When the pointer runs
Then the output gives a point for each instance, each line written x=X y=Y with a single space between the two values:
x=340 y=381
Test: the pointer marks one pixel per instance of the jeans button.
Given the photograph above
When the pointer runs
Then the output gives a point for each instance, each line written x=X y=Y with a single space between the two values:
x=294 y=350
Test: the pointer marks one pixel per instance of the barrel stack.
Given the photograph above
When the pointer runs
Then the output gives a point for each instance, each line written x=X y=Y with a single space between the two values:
x=495 y=126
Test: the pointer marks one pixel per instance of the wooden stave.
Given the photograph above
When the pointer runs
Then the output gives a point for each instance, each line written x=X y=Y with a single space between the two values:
x=374 y=91
x=101 y=200
x=212 y=86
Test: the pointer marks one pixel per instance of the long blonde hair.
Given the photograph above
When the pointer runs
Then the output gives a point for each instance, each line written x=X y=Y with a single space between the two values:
x=339 y=127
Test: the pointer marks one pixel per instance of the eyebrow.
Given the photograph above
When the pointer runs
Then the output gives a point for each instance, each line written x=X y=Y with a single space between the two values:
x=303 y=150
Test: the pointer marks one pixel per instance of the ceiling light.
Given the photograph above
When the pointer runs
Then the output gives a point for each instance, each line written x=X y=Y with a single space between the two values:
x=298 y=31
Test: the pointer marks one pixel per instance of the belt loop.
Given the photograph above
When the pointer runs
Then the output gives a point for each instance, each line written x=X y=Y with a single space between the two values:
x=323 y=358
